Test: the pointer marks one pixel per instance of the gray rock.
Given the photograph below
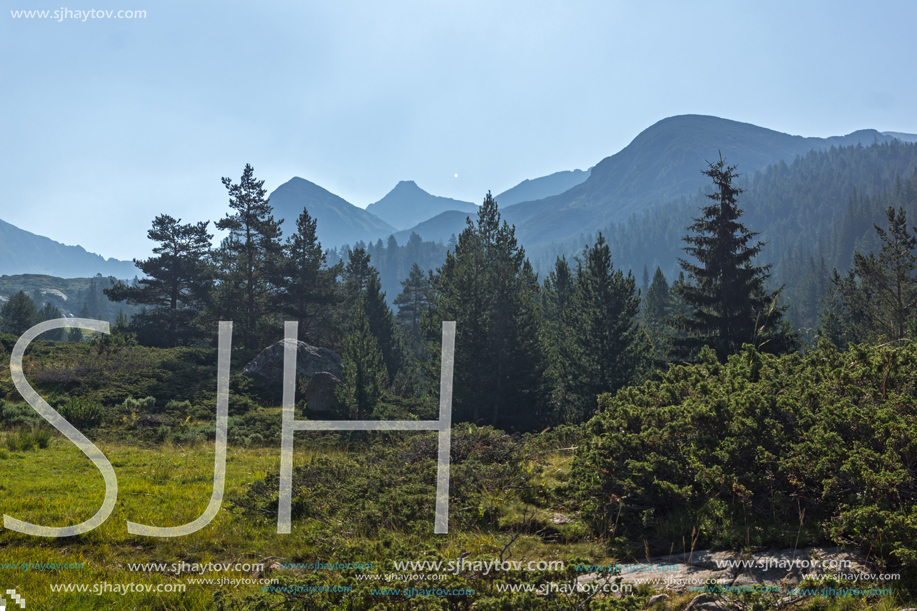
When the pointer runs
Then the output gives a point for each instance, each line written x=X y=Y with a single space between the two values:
x=680 y=572
x=310 y=360
x=320 y=394
x=559 y=518
x=658 y=598
x=701 y=601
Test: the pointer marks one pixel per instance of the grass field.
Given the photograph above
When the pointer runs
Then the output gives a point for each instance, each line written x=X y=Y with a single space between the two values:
x=362 y=500
x=171 y=484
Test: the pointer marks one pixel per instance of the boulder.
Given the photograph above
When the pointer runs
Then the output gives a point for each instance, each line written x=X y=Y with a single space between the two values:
x=310 y=360
x=320 y=394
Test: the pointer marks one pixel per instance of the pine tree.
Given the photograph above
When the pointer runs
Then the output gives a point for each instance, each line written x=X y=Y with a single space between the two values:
x=557 y=304
x=656 y=308
x=413 y=301
x=489 y=288
x=357 y=273
x=308 y=287
x=364 y=370
x=247 y=260
x=18 y=315
x=879 y=295
x=175 y=284
x=382 y=326
x=730 y=306
x=607 y=346
x=50 y=312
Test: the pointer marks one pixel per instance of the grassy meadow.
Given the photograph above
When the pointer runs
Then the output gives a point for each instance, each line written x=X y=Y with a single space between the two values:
x=359 y=498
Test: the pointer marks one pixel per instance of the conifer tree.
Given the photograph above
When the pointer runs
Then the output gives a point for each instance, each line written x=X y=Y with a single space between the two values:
x=607 y=346
x=879 y=295
x=175 y=284
x=656 y=309
x=357 y=272
x=382 y=326
x=50 y=312
x=18 y=315
x=730 y=306
x=557 y=304
x=413 y=301
x=364 y=370
x=489 y=288
x=308 y=289
x=247 y=259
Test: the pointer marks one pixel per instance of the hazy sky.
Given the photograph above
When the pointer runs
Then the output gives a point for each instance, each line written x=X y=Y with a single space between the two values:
x=106 y=123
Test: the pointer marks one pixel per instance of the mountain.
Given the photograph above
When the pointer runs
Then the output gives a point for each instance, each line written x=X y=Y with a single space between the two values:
x=539 y=188
x=339 y=221
x=22 y=252
x=440 y=227
x=662 y=163
x=407 y=205
x=811 y=213
x=902 y=137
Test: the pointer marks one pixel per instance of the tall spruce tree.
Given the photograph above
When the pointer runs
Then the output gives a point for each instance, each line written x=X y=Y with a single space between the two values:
x=557 y=295
x=357 y=272
x=382 y=326
x=730 y=306
x=175 y=284
x=247 y=260
x=489 y=288
x=608 y=348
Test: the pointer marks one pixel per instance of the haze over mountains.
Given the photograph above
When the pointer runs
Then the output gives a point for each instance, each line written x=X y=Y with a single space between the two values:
x=538 y=188
x=662 y=163
x=23 y=252
x=407 y=205
x=339 y=221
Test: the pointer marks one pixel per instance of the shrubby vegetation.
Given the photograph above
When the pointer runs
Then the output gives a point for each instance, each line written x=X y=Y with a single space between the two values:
x=760 y=451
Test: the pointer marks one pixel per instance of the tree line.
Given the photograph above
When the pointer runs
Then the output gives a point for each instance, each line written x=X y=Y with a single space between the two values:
x=530 y=352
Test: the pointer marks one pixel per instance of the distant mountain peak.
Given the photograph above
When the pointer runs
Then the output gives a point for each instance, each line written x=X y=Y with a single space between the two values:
x=407 y=205
x=338 y=221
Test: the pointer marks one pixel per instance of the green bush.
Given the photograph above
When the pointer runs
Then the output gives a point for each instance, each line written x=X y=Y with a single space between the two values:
x=81 y=413
x=14 y=415
x=24 y=440
x=763 y=450
x=139 y=406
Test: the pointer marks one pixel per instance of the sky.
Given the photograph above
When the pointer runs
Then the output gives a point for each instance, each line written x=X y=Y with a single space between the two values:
x=108 y=122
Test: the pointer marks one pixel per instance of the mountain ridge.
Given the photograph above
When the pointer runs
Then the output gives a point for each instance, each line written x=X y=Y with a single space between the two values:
x=338 y=221
x=407 y=205
x=24 y=252
x=664 y=162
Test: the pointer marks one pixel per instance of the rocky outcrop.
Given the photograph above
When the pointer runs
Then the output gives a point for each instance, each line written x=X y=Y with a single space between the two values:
x=310 y=360
x=320 y=366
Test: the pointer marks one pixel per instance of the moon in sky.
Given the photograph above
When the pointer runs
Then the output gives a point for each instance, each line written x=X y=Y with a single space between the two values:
x=456 y=175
